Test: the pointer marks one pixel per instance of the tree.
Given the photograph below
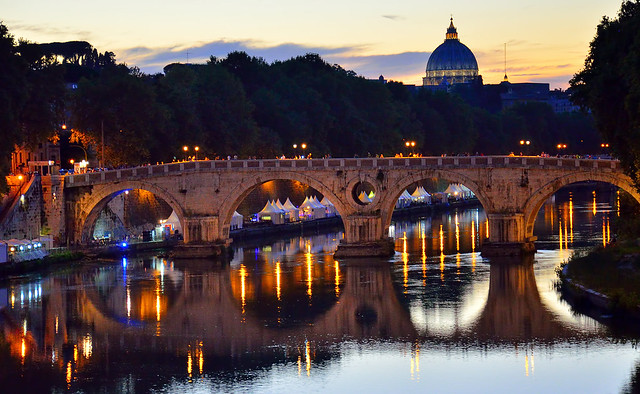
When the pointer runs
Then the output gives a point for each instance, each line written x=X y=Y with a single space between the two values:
x=609 y=85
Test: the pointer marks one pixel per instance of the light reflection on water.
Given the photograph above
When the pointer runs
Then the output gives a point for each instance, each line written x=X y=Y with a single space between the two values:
x=287 y=317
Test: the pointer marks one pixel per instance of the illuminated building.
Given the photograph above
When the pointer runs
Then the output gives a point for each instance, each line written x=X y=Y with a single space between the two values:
x=451 y=62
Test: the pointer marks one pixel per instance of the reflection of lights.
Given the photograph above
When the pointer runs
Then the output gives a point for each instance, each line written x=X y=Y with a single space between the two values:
x=128 y=302
x=24 y=327
x=243 y=289
x=56 y=324
x=13 y=299
x=594 y=203
x=69 y=370
x=473 y=236
x=337 y=288
x=457 y=234
x=189 y=362
x=200 y=358
x=75 y=353
x=307 y=356
x=278 y=280
x=23 y=349
x=441 y=254
x=87 y=346
x=560 y=234
x=571 y=217
x=309 y=270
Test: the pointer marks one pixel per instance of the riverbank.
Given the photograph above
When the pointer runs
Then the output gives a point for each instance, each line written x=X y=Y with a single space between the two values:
x=55 y=259
x=607 y=279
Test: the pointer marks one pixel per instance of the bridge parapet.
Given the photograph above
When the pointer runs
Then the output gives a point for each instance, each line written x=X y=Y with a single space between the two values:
x=447 y=162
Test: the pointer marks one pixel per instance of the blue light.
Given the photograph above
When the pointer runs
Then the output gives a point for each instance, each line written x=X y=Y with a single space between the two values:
x=124 y=244
x=124 y=262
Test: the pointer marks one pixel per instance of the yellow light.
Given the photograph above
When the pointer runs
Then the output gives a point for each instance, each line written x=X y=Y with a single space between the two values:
x=406 y=143
x=64 y=126
x=243 y=275
x=337 y=288
x=72 y=161
x=413 y=143
x=23 y=350
x=185 y=148
x=189 y=362
x=196 y=148
x=69 y=372
x=278 y=280
x=521 y=142
x=20 y=177
x=295 y=146
x=303 y=146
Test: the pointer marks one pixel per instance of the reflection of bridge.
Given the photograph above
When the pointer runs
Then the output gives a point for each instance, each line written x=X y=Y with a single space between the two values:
x=204 y=194
x=206 y=320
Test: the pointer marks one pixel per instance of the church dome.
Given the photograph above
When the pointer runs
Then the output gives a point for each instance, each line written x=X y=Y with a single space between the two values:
x=451 y=62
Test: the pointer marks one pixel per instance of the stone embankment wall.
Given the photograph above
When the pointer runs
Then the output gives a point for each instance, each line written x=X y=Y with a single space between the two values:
x=22 y=218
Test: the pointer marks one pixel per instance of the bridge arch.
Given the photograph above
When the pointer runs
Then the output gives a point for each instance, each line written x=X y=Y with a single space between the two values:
x=241 y=191
x=395 y=190
x=538 y=197
x=102 y=194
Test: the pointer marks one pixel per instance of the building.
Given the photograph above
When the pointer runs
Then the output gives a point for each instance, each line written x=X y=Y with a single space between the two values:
x=451 y=62
x=43 y=158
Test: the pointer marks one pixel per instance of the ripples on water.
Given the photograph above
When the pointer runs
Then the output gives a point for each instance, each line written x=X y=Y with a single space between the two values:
x=286 y=317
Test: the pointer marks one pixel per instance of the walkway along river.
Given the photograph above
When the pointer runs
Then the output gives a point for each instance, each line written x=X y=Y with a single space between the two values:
x=285 y=317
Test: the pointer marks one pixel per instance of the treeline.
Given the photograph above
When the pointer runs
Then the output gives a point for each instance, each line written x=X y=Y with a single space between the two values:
x=244 y=106
x=241 y=105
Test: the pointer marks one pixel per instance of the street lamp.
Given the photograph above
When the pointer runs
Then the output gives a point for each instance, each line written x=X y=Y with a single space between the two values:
x=410 y=145
x=196 y=148
x=185 y=149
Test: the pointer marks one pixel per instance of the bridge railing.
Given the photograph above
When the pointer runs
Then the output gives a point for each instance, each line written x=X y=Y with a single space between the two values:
x=337 y=163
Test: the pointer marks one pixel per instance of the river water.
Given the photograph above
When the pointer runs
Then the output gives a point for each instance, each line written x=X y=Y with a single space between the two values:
x=287 y=317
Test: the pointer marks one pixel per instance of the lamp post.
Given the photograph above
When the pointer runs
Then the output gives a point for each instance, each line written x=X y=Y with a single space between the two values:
x=185 y=149
x=560 y=147
x=410 y=145
x=83 y=150
x=303 y=146
x=196 y=148
x=524 y=144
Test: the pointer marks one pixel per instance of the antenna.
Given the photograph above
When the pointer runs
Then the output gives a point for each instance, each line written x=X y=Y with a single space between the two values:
x=505 y=63
x=187 y=56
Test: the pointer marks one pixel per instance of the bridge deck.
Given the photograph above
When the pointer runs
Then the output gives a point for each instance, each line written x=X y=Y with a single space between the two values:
x=341 y=163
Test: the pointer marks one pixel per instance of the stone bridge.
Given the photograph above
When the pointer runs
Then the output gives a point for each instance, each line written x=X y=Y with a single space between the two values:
x=204 y=194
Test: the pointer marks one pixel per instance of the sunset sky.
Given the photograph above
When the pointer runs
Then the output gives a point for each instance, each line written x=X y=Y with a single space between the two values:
x=547 y=40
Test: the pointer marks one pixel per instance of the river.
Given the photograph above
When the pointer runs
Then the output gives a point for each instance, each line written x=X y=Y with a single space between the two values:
x=287 y=317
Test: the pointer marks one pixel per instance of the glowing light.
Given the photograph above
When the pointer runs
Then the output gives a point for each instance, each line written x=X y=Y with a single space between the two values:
x=200 y=358
x=69 y=371
x=487 y=228
x=189 y=362
x=337 y=288
x=75 y=354
x=87 y=346
x=56 y=324
x=473 y=236
x=457 y=234
x=560 y=235
x=594 y=203
x=405 y=262
x=571 y=218
x=309 y=271
x=278 y=280
x=23 y=348
x=618 y=202
x=128 y=302
x=243 y=289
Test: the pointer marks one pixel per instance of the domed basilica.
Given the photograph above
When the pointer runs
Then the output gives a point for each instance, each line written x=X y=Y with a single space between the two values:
x=451 y=62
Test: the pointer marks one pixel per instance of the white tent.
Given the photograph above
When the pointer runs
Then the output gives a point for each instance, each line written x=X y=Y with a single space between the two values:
x=271 y=213
x=364 y=198
x=331 y=209
x=236 y=221
x=311 y=210
x=322 y=210
x=457 y=191
x=404 y=200
x=426 y=197
x=293 y=213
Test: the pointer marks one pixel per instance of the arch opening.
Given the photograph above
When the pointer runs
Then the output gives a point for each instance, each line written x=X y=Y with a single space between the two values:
x=132 y=211
x=280 y=201
x=423 y=194
x=540 y=196
x=561 y=215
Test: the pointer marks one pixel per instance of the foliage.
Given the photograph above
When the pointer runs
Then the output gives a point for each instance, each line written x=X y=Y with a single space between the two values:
x=609 y=84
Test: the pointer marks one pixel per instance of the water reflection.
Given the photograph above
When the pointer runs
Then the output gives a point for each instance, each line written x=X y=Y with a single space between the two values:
x=287 y=309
